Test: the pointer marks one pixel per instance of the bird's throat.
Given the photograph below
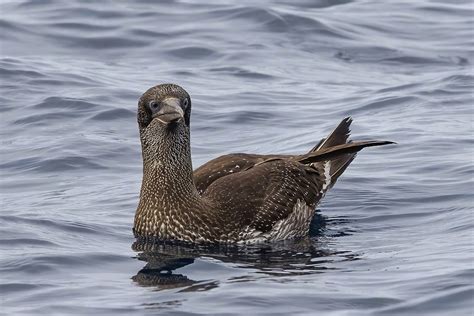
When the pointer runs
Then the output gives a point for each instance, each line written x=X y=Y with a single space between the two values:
x=167 y=165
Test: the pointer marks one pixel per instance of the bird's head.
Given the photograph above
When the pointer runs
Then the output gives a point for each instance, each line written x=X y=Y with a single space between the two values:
x=164 y=106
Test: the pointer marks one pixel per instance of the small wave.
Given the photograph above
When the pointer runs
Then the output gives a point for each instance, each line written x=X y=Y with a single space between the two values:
x=47 y=118
x=47 y=165
x=385 y=102
x=241 y=72
x=51 y=263
x=192 y=52
x=114 y=114
x=314 y=4
x=459 y=298
x=274 y=21
x=59 y=224
x=10 y=28
x=58 y=109
x=19 y=242
x=98 y=42
x=419 y=60
x=18 y=73
x=20 y=287
x=78 y=26
x=65 y=103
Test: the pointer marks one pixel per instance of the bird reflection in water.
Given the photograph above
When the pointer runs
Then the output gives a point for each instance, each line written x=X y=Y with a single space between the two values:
x=292 y=257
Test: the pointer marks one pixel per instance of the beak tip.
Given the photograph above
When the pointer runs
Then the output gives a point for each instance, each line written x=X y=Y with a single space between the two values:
x=169 y=118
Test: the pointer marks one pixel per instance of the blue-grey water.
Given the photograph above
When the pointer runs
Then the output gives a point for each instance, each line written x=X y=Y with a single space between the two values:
x=393 y=237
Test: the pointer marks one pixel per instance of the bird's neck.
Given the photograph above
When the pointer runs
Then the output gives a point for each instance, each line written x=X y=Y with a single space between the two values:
x=167 y=165
x=170 y=206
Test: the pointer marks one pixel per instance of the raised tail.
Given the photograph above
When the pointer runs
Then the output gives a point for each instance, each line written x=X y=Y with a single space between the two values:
x=336 y=152
x=337 y=137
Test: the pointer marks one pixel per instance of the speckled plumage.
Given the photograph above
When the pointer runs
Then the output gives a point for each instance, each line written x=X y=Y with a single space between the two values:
x=233 y=198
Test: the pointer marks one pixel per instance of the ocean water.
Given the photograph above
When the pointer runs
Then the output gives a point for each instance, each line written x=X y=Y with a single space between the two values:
x=393 y=237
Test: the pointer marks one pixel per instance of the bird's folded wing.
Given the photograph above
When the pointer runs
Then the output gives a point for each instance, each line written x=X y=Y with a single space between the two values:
x=261 y=196
x=227 y=165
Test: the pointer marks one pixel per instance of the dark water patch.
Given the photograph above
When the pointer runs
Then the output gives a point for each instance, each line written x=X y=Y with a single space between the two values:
x=5 y=105
x=273 y=21
x=26 y=266
x=254 y=14
x=149 y=34
x=58 y=109
x=343 y=56
x=440 y=198
x=48 y=118
x=20 y=163
x=67 y=163
x=99 y=42
x=364 y=54
x=184 y=73
x=240 y=72
x=114 y=114
x=80 y=309
x=9 y=28
x=78 y=26
x=96 y=14
x=34 y=4
x=446 y=9
x=317 y=4
x=44 y=264
x=438 y=92
x=249 y=117
x=27 y=241
x=458 y=83
x=9 y=288
x=56 y=82
x=17 y=73
x=415 y=60
x=376 y=209
x=298 y=23
x=65 y=103
x=147 y=2
x=66 y=226
x=459 y=60
x=192 y=52
x=409 y=86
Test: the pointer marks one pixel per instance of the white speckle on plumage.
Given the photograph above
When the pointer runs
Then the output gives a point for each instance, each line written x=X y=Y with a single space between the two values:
x=327 y=175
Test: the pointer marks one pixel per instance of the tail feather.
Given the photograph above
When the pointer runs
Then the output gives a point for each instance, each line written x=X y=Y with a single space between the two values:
x=331 y=156
x=339 y=165
x=336 y=151
x=338 y=136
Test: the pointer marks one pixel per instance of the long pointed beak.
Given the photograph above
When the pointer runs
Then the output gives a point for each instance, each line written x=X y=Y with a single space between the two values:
x=170 y=112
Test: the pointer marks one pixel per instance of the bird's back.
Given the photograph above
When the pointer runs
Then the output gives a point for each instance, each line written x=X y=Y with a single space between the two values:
x=273 y=197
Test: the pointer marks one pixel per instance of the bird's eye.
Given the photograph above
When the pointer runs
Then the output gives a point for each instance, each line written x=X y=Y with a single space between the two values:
x=153 y=105
x=185 y=102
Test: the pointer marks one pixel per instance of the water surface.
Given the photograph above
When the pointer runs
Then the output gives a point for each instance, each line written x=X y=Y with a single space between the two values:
x=394 y=236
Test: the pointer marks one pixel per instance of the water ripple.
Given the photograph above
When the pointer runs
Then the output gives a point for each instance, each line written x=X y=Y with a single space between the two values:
x=394 y=235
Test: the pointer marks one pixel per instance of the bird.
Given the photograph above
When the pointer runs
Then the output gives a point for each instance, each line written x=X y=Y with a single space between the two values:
x=235 y=198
